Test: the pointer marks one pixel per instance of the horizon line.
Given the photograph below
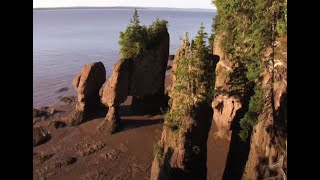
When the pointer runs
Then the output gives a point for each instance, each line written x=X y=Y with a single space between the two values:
x=104 y=7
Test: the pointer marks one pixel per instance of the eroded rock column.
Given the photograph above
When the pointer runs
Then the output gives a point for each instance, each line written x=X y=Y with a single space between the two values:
x=87 y=84
x=142 y=77
x=225 y=109
x=113 y=93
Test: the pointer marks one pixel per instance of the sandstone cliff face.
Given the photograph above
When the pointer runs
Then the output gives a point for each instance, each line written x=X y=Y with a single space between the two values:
x=113 y=93
x=142 y=78
x=87 y=84
x=268 y=149
x=148 y=72
x=225 y=107
x=184 y=154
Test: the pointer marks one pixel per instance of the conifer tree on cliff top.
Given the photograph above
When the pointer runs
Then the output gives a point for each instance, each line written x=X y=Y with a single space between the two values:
x=194 y=77
x=137 y=39
x=133 y=39
x=203 y=70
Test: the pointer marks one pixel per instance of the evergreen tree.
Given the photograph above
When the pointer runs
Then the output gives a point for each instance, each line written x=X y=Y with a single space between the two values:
x=135 y=21
x=200 y=42
x=203 y=67
x=136 y=38
x=194 y=78
x=133 y=39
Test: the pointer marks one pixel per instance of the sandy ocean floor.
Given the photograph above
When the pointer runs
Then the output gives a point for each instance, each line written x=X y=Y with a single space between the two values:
x=127 y=154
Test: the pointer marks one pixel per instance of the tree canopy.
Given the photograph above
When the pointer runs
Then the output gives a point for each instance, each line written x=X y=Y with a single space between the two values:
x=136 y=39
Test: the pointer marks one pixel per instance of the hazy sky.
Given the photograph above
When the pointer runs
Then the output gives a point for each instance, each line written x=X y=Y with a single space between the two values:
x=206 y=4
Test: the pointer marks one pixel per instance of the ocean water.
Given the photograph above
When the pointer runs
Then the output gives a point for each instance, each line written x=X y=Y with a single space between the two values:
x=66 y=39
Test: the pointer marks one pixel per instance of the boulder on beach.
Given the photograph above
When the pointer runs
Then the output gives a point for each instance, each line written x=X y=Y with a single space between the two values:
x=68 y=99
x=56 y=124
x=37 y=113
x=62 y=90
x=40 y=136
x=46 y=111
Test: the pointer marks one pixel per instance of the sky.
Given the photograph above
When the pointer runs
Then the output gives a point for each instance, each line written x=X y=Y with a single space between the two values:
x=204 y=4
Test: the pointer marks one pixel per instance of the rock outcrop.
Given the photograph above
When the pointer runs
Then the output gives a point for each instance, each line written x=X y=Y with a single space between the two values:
x=48 y=110
x=37 y=113
x=268 y=148
x=87 y=84
x=56 y=124
x=116 y=89
x=142 y=78
x=225 y=107
x=69 y=99
x=113 y=93
x=148 y=72
x=40 y=136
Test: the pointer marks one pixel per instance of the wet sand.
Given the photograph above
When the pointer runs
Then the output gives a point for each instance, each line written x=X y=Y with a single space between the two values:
x=127 y=154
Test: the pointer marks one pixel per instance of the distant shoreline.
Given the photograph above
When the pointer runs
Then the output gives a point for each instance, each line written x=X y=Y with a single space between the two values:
x=125 y=7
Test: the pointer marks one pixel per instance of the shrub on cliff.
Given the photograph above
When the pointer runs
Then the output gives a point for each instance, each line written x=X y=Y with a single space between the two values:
x=136 y=38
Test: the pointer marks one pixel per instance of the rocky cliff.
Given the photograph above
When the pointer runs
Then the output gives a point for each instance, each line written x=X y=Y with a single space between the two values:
x=251 y=87
x=181 y=152
x=225 y=107
x=268 y=148
x=142 y=78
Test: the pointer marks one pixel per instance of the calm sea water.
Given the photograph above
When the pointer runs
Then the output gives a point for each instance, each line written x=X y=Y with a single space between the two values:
x=66 y=39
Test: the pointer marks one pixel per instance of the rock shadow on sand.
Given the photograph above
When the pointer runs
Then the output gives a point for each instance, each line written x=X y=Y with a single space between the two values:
x=128 y=124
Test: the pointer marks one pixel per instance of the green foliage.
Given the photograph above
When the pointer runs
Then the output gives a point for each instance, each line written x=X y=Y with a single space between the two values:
x=212 y=35
x=158 y=150
x=133 y=39
x=173 y=125
x=135 y=20
x=250 y=119
x=136 y=39
x=194 y=83
x=254 y=71
x=156 y=31
x=203 y=63
x=199 y=41
x=282 y=27
x=248 y=27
